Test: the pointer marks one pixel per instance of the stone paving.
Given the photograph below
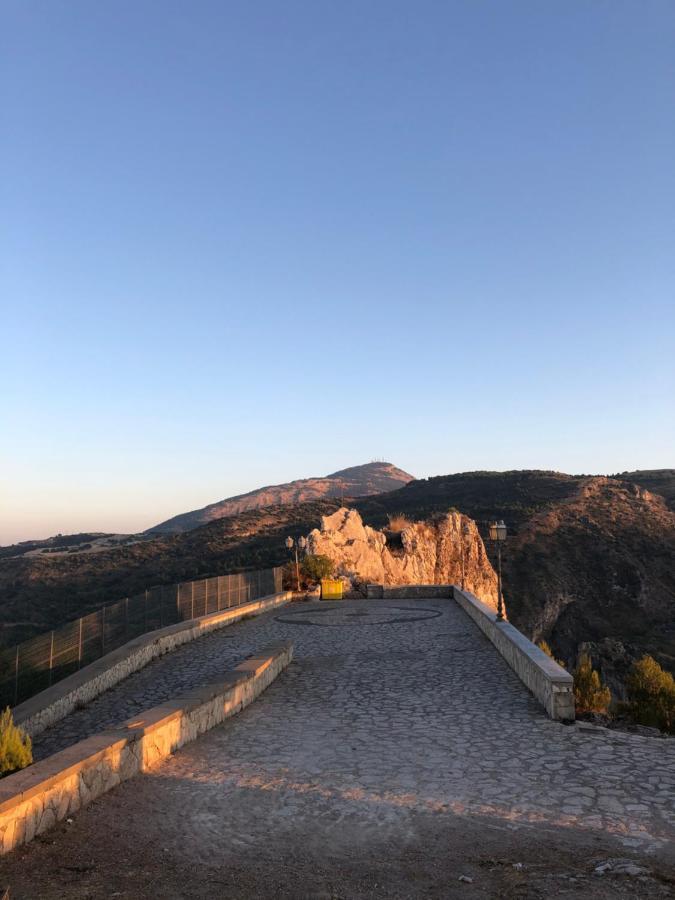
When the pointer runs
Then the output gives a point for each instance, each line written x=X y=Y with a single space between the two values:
x=190 y=665
x=390 y=708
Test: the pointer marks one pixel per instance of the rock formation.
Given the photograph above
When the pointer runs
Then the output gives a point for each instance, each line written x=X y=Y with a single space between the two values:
x=429 y=552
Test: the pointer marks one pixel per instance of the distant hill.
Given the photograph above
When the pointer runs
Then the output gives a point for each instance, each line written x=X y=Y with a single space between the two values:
x=357 y=481
x=58 y=543
x=658 y=481
x=513 y=496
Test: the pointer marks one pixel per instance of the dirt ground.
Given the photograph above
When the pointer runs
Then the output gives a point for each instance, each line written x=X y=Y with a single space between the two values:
x=78 y=861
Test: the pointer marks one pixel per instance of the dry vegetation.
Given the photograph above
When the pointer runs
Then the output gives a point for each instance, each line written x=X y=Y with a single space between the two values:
x=397 y=522
x=16 y=751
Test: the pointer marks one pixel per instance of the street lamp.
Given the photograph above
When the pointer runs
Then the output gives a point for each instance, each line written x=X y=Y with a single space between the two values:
x=301 y=544
x=498 y=536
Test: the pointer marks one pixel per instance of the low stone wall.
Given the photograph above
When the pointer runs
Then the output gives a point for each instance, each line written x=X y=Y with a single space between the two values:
x=552 y=685
x=408 y=591
x=417 y=591
x=34 y=799
x=58 y=701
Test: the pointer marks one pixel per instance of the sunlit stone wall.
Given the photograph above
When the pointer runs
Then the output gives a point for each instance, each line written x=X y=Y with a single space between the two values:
x=58 y=701
x=34 y=799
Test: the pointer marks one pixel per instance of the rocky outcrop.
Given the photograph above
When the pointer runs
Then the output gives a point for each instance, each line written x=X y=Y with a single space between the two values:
x=430 y=552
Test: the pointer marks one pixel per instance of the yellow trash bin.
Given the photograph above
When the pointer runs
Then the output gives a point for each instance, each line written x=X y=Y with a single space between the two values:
x=331 y=589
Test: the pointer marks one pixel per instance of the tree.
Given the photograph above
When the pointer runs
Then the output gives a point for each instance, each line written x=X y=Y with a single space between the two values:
x=651 y=695
x=590 y=695
x=16 y=751
x=315 y=567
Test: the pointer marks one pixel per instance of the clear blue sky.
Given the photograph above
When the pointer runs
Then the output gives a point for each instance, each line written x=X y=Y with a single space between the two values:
x=248 y=242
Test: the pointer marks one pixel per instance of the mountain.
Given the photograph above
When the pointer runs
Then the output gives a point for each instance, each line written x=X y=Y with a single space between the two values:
x=357 y=481
x=589 y=561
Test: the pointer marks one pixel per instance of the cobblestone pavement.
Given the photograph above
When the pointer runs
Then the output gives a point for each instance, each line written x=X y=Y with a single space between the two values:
x=190 y=665
x=394 y=719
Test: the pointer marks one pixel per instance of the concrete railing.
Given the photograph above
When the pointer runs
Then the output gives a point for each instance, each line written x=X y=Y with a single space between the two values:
x=408 y=591
x=34 y=799
x=552 y=685
x=58 y=701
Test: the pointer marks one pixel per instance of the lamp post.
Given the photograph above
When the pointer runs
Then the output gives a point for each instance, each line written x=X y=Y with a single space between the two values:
x=300 y=544
x=498 y=536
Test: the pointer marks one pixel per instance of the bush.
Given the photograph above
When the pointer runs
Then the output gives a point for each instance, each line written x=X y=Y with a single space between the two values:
x=651 y=695
x=590 y=695
x=546 y=647
x=288 y=579
x=316 y=567
x=397 y=522
x=16 y=751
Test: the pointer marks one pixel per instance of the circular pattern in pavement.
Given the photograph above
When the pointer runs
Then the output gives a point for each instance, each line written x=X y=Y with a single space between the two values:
x=340 y=617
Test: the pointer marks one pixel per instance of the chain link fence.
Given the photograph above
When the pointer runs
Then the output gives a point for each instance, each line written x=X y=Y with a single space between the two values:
x=35 y=664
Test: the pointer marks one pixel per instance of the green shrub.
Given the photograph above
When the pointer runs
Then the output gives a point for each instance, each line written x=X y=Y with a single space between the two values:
x=16 y=750
x=316 y=567
x=651 y=695
x=590 y=695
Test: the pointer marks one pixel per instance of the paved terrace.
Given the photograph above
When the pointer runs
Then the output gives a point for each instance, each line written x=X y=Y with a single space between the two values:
x=396 y=753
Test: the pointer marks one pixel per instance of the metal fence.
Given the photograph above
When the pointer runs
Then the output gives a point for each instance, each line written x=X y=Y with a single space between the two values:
x=37 y=663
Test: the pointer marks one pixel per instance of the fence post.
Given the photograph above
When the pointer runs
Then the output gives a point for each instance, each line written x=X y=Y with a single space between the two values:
x=79 y=646
x=16 y=677
x=51 y=656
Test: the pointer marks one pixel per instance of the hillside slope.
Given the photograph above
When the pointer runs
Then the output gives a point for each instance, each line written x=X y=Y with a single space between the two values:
x=658 y=481
x=513 y=496
x=357 y=481
x=588 y=559
x=41 y=592
x=598 y=569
